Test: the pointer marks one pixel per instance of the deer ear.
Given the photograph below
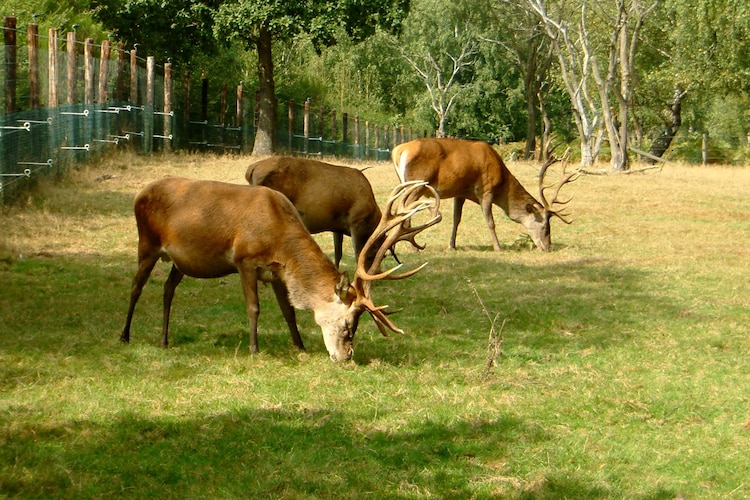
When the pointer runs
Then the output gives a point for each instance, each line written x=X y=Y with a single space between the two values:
x=342 y=287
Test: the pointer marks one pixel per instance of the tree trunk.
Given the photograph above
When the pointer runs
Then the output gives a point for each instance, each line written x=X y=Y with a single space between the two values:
x=672 y=126
x=265 y=136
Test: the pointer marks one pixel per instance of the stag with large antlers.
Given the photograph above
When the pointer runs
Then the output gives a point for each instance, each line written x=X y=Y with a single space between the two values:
x=473 y=170
x=328 y=197
x=211 y=229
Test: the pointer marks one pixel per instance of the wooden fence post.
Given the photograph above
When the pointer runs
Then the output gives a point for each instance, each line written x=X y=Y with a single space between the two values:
x=88 y=71
x=306 y=125
x=238 y=109
x=33 y=44
x=11 y=52
x=290 y=126
x=334 y=133
x=70 y=43
x=367 y=138
x=345 y=128
x=148 y=115
x=52 y=101
x=704 y=150
x=167 y=107
x=321 y=112
x=134 y=76
x=104 y=54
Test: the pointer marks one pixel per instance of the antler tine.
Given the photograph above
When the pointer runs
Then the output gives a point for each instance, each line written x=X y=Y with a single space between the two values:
x=394 y=226
x=543 y=172
x=564 y=179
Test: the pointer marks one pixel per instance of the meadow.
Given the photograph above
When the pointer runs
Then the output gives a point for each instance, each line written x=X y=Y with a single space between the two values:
x=622 y=369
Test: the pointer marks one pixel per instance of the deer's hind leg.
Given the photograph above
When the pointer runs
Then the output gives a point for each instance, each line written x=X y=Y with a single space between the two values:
x=145 y=266
x=175 y=276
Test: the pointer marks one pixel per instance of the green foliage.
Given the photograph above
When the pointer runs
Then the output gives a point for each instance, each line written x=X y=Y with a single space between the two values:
x=63 y=15
x=175 y=30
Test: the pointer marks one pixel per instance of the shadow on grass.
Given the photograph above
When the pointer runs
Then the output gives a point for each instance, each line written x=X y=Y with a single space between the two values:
x=252 y=453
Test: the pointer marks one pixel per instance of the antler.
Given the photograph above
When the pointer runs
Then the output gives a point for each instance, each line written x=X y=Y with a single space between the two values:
x=564 y=179
x=395 y=225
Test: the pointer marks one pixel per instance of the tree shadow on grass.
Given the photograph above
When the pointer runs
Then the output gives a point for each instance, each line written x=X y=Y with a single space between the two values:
x=267 y=453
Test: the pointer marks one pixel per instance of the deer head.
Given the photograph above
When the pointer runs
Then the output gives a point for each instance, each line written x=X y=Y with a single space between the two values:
x=395 y=225
x=541 y=233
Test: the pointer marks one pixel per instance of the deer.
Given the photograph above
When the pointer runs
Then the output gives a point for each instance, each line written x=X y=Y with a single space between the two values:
x=210 y=229
x=473 y=170
x=328 y=197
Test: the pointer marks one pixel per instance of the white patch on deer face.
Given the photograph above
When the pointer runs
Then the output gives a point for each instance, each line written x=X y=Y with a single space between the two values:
x=338 y=322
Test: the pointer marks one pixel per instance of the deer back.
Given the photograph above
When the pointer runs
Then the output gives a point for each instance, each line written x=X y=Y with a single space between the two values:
x=207 y=227
x=463 y=169
x=327 y=197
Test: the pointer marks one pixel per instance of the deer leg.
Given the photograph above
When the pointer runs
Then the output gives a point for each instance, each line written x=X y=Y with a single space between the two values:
x=487 y=210
x=145 y=266
x=338 y=246
x=174 y=278
x=249 y=279
x=282 y=297
x=458 y=208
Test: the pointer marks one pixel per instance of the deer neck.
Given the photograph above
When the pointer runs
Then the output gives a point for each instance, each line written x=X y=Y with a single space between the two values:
x=309 y=276
x=515 y=201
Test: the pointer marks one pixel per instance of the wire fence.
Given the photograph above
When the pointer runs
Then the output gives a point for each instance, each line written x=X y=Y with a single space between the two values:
x=65 y=107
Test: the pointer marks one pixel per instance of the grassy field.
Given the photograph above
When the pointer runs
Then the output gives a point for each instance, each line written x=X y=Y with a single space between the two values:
x=624 y=368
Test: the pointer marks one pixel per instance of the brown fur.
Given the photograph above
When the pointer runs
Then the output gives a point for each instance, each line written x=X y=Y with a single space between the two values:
x=472 y=170
x=328 y=197
x=210 y=229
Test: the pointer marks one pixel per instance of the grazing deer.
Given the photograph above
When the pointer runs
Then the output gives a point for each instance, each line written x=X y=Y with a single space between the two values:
x=472 y=170
x=211 y=229
x=327 y=197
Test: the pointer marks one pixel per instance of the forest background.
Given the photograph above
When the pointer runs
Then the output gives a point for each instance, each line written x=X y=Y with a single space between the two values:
x=628 y=75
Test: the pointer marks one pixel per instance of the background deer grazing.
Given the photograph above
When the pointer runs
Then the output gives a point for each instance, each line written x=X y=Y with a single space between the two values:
x=471 y=170
x=327 y=197
x=211 y=229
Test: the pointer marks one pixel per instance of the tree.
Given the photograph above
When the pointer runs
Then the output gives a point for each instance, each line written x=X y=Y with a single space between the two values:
x=524 y=42
x=575 y=45
x=260 y=23
x=441 y=46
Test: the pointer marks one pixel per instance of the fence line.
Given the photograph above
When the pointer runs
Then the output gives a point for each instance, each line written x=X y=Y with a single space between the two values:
x=94 y=98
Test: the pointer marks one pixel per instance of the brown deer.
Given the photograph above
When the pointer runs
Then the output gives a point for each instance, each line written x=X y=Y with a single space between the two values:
x=473 y=170
x=211 y=229
x=328 y=197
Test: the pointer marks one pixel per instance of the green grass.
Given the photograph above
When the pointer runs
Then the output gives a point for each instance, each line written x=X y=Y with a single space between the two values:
x=623 y=371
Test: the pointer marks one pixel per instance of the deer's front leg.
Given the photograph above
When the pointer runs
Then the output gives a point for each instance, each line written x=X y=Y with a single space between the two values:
x=249 y=278
x=487 y=210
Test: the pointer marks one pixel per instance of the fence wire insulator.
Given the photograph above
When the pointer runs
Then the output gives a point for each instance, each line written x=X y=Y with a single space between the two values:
x=26 y=126
x=108 y=141
x=162 y=113
x=47 y=163
x=169 y=137
x=139 y=134
x=114 y=111
x=85 y=112
x=48 y=121
x=77 y=148
x=125 y=137
x=26 y=173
